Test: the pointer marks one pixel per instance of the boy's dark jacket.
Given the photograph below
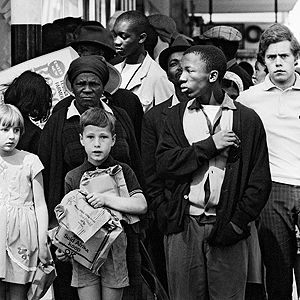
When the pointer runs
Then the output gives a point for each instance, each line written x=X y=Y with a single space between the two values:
x=247 y=181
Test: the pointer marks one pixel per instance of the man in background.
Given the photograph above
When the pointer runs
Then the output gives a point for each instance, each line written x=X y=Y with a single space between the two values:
x=227 y=38
x=276 y=100
x=140 y=73
x=151 y=128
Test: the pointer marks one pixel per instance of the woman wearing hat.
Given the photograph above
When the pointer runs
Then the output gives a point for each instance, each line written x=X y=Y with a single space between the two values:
x=92 y=39
x=60 y=149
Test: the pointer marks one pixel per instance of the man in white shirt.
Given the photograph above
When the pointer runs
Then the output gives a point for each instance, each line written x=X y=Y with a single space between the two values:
x=219 y=176
x=276 y=100
x=140 y=73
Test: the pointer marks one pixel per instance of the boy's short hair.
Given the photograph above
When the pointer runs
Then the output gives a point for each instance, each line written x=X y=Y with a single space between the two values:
x=97 y=116
x=213 y=57
x=10 y=116
x=278 y=33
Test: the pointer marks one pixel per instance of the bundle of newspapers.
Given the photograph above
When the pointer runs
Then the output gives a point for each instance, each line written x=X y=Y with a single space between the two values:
x=85 y=233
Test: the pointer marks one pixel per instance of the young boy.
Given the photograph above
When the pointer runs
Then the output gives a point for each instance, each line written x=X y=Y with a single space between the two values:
x=97 y=137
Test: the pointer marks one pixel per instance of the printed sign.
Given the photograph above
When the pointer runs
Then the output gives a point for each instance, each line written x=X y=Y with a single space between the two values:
x=91 y=254
x=52 y=67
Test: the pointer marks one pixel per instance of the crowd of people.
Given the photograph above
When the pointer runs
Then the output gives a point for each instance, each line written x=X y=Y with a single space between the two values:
x=209 y=148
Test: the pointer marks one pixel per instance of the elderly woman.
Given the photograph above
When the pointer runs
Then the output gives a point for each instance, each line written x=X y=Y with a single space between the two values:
x=60 y=149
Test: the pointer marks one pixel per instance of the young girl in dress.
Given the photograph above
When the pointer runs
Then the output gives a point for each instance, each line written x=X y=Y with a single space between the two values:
x=23 y=211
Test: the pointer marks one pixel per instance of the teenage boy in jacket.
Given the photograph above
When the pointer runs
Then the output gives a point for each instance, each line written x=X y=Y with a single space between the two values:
x=215 y=152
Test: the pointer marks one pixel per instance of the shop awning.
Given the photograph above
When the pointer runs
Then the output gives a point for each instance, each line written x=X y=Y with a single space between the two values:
x=239 y=6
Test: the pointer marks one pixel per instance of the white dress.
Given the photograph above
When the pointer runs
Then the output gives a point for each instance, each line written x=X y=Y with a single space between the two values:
x=18 y=223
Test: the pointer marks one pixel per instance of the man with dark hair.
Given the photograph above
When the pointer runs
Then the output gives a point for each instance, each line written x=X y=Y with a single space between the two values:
x=227 y=38
x=276 y=100
x=214 y=150
x=260 y=70
x=152 y=126
x=91 y=38
x=140 y=73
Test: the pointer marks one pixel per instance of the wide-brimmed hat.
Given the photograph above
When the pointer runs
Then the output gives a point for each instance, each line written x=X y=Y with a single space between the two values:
x=93 y=34
x=222 y=32
x=179 y=44
x=90 y=64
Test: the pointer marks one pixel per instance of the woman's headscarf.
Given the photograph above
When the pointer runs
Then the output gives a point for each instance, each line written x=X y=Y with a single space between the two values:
x=89 y=64
x=96 y=64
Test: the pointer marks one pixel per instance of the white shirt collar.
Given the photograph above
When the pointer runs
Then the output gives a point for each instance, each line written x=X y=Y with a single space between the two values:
x=73 y=111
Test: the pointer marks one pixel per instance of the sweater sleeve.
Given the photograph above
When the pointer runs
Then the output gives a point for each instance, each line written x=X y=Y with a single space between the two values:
x=154 y=184
x=175 y=157
x=257 y=190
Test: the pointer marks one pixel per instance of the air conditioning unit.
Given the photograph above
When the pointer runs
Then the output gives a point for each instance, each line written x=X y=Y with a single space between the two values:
x=252 y=34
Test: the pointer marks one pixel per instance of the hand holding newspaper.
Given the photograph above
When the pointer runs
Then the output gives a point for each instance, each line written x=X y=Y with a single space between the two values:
x=86 y=233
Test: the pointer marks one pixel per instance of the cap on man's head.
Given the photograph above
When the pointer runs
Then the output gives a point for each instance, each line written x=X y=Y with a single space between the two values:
x=222 y=32
x=164 y=26
x=94 y=34
x=180 y=44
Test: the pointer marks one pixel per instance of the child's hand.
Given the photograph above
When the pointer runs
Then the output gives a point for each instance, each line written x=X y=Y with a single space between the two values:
x=96 y=200
x=44 y=255
x=62 y=255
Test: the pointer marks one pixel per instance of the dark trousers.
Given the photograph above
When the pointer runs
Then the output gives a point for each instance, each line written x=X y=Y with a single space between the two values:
x=198 y=271
x=62 y=283
x=278 y=240
x=155 y=247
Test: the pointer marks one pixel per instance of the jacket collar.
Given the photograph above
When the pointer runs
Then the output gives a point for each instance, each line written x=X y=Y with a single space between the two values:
x=226 y=104
x=142 y=72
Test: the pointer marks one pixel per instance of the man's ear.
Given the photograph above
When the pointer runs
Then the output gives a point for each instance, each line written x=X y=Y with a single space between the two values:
x=81 y=139
x=143 y=37
x=213 y=76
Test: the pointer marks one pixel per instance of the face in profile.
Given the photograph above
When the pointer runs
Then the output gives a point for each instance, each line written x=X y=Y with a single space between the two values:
x=280 y=62
x=126 y=38
x=87 y=89
x=230 y=88
x=174 y=67
x=259 y=73
x=194 y=80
